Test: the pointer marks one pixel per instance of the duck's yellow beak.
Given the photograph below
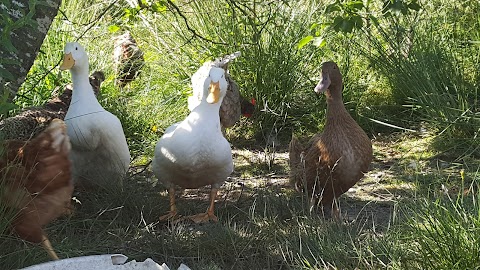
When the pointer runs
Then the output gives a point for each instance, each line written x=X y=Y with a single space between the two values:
x=214 y=93
x=68 y=61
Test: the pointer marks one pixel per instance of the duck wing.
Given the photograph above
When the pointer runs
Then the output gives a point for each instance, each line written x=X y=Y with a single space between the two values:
x=295 y=154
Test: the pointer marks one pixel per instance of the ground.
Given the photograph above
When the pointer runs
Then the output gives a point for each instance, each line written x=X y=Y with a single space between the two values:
x=262 y=221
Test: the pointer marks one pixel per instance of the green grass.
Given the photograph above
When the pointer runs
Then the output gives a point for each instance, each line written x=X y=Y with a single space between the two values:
x=264 y=224
x=427 y=61
x=444 y=232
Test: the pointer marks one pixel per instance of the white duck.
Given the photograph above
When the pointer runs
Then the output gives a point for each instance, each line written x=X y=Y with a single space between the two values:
x=234 y=104
x=100 y=154
x=193 y=153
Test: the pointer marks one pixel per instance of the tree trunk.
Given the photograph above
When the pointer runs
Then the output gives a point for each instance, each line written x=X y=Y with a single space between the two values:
x=23 y=27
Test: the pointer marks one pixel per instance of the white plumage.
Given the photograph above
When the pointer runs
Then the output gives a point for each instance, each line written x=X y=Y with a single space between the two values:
x=231 y=108
x=100 y=154
x=193 y=153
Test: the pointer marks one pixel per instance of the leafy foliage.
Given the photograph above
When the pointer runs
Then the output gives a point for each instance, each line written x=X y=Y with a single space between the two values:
x=347 y=16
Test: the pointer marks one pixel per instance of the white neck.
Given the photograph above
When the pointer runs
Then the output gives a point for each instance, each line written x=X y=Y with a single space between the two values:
x=209 y=113
x=81 y=86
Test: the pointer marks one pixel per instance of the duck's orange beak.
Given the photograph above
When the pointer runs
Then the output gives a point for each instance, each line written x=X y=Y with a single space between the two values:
x=68 y=61
x=214 y=93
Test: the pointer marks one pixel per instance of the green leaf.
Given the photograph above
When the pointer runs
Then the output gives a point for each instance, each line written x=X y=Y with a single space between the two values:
x=337 y=22
x=143 y=3
x=398 y=6
x=332 y=7
x=347 y=26
x=158 y=7
x=414 y=6
x=113 y=28
x=355 y=5
x=304 y=41
x=313 y=26
x=7 y=44
x=357 y=21
x=5 y=105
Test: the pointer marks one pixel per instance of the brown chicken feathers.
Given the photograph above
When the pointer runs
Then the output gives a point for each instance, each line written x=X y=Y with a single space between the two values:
x=36 y=182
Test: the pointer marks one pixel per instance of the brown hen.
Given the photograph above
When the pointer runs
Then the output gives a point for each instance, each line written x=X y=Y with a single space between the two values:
x=36 y=177
x=128 y=59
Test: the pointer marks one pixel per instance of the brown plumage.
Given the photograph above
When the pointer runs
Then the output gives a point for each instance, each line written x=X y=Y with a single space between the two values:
x=33 y=120
x=333 y=161
x=230 y=110
x=36 y=177
x=234 y=104
x=128 y=59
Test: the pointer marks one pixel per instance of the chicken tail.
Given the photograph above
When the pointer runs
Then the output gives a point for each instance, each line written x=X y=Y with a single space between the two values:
x=222 y=62
x=247 y=106
x=296 y=162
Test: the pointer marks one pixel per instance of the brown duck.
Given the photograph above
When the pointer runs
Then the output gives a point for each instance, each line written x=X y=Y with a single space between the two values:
x=335 y=160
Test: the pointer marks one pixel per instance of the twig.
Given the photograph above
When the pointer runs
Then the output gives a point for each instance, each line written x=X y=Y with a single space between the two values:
x=252 y=21
x=190 y=29
x=92 y=23
x=144 y=168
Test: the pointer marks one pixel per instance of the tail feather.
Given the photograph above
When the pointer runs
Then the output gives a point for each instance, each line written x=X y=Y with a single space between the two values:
x=230 y=110
x=296 y=151
x=222 y=62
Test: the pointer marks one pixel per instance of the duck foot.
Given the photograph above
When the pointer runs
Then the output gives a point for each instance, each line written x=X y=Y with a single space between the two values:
x=170 y=216
x=209 y=215
x=48 y=247
x=203 y=218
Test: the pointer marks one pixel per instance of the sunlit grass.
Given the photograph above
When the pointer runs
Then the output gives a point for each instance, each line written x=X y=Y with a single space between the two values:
x=444 y=232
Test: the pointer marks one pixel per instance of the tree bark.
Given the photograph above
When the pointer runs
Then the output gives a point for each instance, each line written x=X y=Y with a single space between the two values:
x=23 y=27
